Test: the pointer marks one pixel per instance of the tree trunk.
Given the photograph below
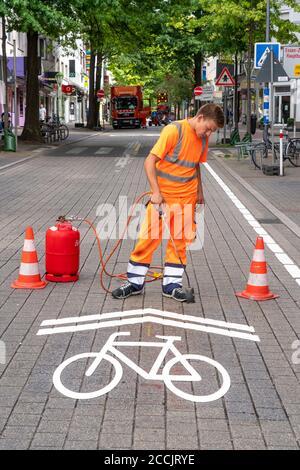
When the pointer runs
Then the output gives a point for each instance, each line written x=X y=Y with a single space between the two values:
x=5 y=104
x=31 y=129
x=91 y=109
x=249 y=80
x=236 y=102
x=197 y=76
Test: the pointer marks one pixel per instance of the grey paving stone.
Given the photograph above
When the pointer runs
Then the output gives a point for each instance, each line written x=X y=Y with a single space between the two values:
x=24 y=419
x=273 y=414
x=45 y=439
x=114 y=441
x=80 y=445
x=53 y=426
x=13 y=444
x=278 y=439
x=18 y=432
x=249 y=444
x=217 y=446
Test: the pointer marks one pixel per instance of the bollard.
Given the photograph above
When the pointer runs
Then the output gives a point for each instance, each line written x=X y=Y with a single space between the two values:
x=281 y=152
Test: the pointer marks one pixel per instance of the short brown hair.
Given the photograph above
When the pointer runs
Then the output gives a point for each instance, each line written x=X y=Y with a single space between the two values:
x=214 y=112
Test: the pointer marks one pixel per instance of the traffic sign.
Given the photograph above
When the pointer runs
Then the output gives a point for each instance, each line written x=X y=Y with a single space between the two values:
x=271 y=74
x=297 y=70
x=208 y=91
x=291 y=60
x=67 y=89
x=100 y=93
x=261 y=51
x=225 y=78
x=198 y=90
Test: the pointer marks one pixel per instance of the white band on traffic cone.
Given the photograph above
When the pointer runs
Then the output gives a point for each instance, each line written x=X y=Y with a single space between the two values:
x=29 y=245
x=29 y=269
x=259 y=255
x=257 y=280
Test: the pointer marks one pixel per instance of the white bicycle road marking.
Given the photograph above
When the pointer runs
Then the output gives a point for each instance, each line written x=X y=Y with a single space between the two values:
x=107 y=320
x=109 y=350
x=282 y=257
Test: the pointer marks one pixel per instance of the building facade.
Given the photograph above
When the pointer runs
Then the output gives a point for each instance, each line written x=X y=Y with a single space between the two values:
x=71 y=64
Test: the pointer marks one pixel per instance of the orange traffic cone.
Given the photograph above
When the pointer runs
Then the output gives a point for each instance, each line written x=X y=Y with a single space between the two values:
x=257 y=287
x=29 y=276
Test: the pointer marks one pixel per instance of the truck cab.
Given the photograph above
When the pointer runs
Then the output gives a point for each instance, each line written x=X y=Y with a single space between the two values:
x=126 y=106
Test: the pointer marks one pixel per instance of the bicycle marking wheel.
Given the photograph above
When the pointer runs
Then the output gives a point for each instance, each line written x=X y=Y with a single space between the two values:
x=197 y=398
x=57 y=380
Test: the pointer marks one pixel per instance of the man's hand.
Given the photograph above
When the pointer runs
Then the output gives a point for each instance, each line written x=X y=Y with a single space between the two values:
x=156 y=198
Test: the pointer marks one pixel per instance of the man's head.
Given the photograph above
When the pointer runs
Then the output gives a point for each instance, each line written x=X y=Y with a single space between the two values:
x=208 y=119
x=41 y=105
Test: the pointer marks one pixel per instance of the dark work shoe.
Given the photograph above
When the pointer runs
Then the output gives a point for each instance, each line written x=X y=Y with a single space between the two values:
x=126 y=290
x=178 y=294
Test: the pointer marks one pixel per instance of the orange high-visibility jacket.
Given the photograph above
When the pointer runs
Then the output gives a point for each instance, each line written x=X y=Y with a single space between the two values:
x=180 y=151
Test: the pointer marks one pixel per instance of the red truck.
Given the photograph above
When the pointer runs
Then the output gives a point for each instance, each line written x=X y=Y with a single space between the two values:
x=127 y=107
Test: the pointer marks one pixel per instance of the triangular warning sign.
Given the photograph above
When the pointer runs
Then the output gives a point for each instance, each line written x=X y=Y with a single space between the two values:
x=225 y=79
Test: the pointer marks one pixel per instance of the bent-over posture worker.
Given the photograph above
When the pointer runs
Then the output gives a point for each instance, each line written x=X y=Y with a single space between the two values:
x=173 y=172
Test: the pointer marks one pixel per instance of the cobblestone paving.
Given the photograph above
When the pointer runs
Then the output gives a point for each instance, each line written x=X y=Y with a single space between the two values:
x=261 y=410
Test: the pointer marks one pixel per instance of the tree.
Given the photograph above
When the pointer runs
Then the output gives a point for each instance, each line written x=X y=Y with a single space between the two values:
x=4 y=61
x=113 y=29
x=235 y=25
x=55 y=19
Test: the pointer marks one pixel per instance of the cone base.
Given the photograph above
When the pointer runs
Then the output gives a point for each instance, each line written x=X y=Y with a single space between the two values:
x=62 y=278
x=28 y=285
x=246 y=295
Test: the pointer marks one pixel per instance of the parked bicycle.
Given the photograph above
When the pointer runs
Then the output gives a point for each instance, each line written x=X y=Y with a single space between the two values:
x=262 y=150
x=54 y=130
x=56 y=123
x=183 y=372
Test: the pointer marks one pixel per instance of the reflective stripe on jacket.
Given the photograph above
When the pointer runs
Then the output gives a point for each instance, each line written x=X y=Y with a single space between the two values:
x=170 y=172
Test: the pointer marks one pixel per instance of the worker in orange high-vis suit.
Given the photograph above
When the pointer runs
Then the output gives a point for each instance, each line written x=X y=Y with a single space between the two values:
x=173 y=171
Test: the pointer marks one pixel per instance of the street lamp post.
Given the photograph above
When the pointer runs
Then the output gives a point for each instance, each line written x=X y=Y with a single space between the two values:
x=266 y=86
x=59 y=78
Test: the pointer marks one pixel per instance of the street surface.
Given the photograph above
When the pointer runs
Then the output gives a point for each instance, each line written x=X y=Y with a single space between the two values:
x=255 y=343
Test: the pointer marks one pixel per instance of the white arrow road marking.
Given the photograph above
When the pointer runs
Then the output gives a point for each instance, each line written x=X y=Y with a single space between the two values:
x=144 y=316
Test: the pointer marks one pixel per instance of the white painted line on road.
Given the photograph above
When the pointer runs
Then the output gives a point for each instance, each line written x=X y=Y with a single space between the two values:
x=107 y=320
x=285 y=260
x=152 y=311
x=76 y=150
x=147 y=319
x=4 y=167
x=103 y=150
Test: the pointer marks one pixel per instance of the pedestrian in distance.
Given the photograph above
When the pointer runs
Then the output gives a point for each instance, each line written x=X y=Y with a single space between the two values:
x=42 y=112
x=173 y=172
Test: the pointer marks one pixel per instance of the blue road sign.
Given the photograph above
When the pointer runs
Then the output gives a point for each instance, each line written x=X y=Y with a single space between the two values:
x=261 y=52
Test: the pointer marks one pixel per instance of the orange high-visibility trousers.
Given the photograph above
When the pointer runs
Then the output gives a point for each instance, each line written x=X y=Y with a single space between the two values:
x=180 y=219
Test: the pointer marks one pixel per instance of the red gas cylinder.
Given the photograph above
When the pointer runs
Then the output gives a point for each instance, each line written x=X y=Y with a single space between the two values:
x=62 y=252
